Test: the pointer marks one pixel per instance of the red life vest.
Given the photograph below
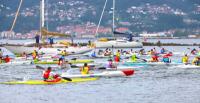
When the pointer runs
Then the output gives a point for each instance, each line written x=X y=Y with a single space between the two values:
x=46 y=74
x=7 y=59
x=116 y=59
x=169 y=54
x=155 y=58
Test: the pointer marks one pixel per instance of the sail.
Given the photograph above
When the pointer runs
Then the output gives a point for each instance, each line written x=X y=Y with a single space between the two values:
x=47 y=33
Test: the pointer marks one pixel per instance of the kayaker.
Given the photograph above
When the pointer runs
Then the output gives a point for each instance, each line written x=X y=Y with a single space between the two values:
x=93 y=54
x=154 y=51
x=51 y=41
x=48 y=75
x=162 y=51
x=34 y=54
x=141 y=52
x=134 y=57
x=37 y=40
x=154 y=58
x=107 y=52
x=185 y=59
x=85 y=69
x=110 y=64
x=166 y=59
x=64 y=53
x=194 y=51
x=61 y=61
x=196 y=61
x=7 y=59
x=24 y=55
x=117 y=56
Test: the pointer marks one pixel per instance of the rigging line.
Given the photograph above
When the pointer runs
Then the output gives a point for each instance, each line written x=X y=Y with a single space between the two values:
x=47 y=14
x=101 y=18
x=16 y=15
x=113 y=26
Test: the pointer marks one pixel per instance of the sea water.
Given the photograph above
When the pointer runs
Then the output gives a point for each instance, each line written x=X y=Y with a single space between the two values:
x=149 y=84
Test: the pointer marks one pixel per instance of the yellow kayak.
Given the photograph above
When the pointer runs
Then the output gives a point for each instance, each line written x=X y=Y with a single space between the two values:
x=41 y=82
x=71 y=61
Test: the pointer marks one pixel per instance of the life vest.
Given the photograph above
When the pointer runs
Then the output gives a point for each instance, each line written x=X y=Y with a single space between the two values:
x=46 y=74
x=162 y=51
x=168 y=54
x=7 y=59
x=93 y=54
x=85 y=70
x=110 y=64
x=34 y=54
x=133 y=58
x=155 y=58
x=63 y=53
x=185 y=59
x=118 y=54
x=117 y=59
x=166 y=59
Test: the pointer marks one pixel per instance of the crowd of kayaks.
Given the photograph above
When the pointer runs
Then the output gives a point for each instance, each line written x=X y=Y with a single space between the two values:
x=119 y=63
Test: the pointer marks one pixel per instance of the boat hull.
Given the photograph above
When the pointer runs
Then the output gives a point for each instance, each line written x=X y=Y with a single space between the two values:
x=71 y=50
x=118 y=44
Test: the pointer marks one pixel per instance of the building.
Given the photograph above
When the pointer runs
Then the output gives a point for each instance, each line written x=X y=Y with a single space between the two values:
x=153 y=35
x=7 y=34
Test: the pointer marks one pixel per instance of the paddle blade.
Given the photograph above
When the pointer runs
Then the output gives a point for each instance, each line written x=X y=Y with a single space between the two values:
x=68 y=79
x=39 y=67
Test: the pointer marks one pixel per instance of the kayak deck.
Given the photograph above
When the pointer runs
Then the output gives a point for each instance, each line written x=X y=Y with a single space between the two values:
x=41 y=82
x=71 y=61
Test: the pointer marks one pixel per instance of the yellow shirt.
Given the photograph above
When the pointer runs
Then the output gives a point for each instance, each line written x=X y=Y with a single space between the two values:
x=133 y=58
x=185 y=59
x=118 y=54
x=85 y=70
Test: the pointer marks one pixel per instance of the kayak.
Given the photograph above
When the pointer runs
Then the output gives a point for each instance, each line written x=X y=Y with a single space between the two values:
x=16 y=63
x=121 y=67
x=129 y=63
x=71 y=61
x=126 y=72
x=67 y=66
x=41 y=82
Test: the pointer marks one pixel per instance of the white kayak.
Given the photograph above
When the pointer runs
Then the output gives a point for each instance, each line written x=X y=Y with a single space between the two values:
x=120 y=68
x=16 y=63
x=126 y=72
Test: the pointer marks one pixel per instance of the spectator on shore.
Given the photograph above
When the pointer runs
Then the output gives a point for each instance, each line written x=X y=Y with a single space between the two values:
x=37 y=40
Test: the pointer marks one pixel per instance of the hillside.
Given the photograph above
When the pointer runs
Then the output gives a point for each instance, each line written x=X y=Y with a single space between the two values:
x=137 y=15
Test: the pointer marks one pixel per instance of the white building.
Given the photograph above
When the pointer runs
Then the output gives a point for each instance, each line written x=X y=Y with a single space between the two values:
x=7 y=34
x=162 y=34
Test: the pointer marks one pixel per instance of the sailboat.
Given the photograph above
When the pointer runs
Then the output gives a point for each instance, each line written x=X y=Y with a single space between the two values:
x=19 y=49
x=119 y=43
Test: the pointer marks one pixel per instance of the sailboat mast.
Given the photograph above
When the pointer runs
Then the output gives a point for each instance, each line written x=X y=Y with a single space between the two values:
x=96 y=32
x=41 y=16
x=16 y=15
x=113 y=26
